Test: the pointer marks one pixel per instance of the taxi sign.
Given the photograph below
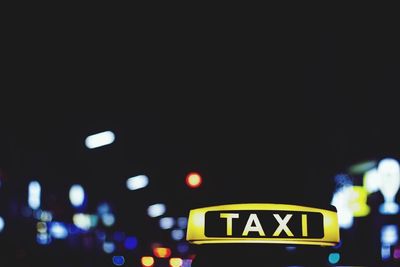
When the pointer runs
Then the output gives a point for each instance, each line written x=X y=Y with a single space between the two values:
x=263 y=223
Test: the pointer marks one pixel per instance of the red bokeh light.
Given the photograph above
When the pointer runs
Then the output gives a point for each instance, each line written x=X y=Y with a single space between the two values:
x=193 y=180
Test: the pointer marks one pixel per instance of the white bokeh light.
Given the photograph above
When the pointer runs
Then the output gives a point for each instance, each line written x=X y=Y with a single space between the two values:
x=99 y=139
x=34 y=192
x=156 y=210
x=137 y=182
x=389 y=185
x=77 y=195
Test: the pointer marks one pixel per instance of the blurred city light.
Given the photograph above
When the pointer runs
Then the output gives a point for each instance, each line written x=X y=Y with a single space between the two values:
x=84 y=221
x=385 y=252
x=290 y=248
x=119 y=236
x=103 y=208
x=177 y=234
x=193 y=180
x=43 y=215
x=118 y=260
x=166 y=223
x=334 y=258
x=41 y=227
x=161 y=252
x=34 y=191
x=77 y=195
x=2 y=224
x=175 y=262
x=99 y=139
x=43 y=238
x=187 y=263
x=343 y=180
x=182 y=222
x=362 y=167
x=58 y=230
x=137 y=182
x=108 y=219
x=131 y=243
x=340 y=200
x=371 y=181
x=147 y=261
x=108 y=247
x=358 y=201
x=396 y=253
x=156 y=210
x=182 y=247
x=389 y=172
x=389 y=234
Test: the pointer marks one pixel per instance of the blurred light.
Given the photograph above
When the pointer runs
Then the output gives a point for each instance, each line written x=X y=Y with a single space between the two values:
x=334 y=258
x=358 y=201
x=100 y=235
x=177 y=234
x=58 y=230
x=83 y=221
x=389 y=172
x=103 y=208
x=167 y=222
x=340 y=200
x=41 y=227
x=371 y=181
x=362 y=167
x=156 y=210
x=385 y=252
x=290 y=248
x=119 y=236
x=118 y=260
x=182 y=222
x=108 y=247
x=2 y=224
x=99 y=139
x=182 y=247
x=45 y=216
x=77 y=195
x=343 y=180
x=43 y=239
x=42 y=215
x=175 y=262
x=187 y=263
x=131 y=243
x=193 y=180
x=108 y=219
x=161 y=252
x=34 y=190
x=147 y=261
x=389 y=234
x=396 y=253
x=137 y=182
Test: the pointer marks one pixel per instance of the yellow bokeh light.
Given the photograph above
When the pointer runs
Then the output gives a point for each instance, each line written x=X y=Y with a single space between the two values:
x=147 y=261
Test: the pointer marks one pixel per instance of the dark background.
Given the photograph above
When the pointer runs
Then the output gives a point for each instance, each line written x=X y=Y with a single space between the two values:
x=265 y=115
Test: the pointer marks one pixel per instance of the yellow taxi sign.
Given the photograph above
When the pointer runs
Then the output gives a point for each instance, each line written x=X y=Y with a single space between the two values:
x=263 y=223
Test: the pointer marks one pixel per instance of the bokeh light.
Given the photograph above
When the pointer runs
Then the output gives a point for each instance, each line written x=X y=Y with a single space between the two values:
x=147 y=261
x=193 y=180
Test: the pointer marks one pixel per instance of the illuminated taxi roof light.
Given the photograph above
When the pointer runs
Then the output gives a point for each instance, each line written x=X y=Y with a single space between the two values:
x=263 y=223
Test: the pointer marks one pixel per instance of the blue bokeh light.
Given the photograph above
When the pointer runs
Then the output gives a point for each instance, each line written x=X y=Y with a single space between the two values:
x=118 y=260
x=334 y=258
x=131 y=242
